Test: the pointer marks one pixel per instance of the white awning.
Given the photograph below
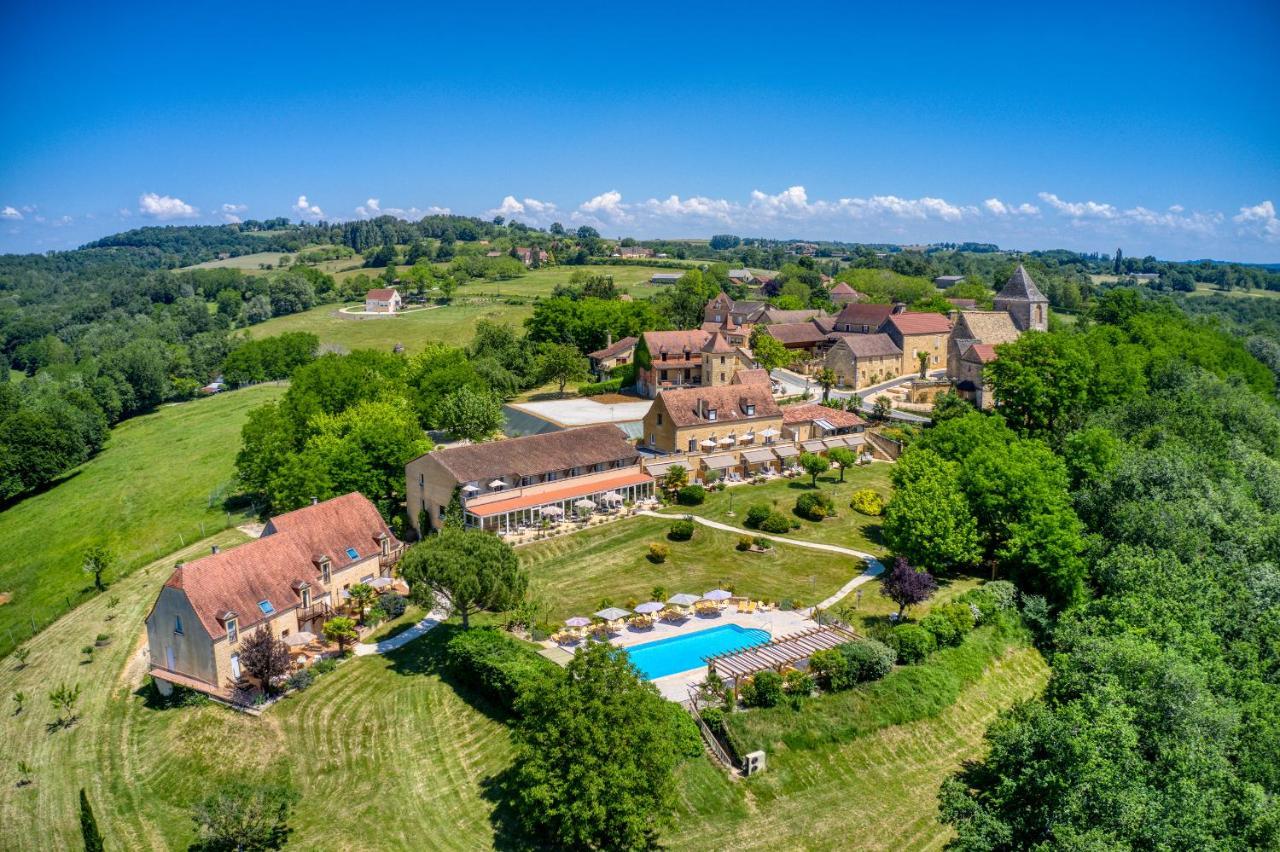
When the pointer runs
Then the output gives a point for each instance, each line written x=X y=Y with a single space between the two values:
x=832 y=443
x=470 y=487
x=720 y=462
x=769 y=433
x=611 y=497
x=551 y=510
x=584 y=503
x=709 y=443
x=497 y=483
x=813 y=446
x=854 y=440
x=726 y=441
x=660 y=468
x=758 y=456
x=786 y=451
x=824 y=425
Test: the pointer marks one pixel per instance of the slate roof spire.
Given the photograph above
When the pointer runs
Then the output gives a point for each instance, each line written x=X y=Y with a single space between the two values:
x=1020 y=287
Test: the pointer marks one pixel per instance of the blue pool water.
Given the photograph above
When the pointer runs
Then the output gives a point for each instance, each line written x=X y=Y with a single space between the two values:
x=682 y=653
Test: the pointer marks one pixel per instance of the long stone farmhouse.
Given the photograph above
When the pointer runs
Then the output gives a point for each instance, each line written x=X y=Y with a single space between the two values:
x=291 y=579
x=502 y=485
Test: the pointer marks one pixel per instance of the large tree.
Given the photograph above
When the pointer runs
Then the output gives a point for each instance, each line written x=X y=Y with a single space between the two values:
x=767 y=350
x=242 y=817
x=562 y=363
x=471 y=569
x=928 y=521
x=1041 y=382
x=471 y=415
x=596 y=756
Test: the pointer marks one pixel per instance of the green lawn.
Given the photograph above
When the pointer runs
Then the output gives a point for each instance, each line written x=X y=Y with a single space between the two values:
x=847 y=529
x=159 y=478
x=453 y=324
x=540 y=282
x=246 y=262
x=385 y=751
x=573 y=573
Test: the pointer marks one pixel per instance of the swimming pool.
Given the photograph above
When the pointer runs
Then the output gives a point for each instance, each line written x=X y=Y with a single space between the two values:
x=682 y=653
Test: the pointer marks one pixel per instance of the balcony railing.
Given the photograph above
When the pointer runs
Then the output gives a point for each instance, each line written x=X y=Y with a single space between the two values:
x=320 y=610
x=391 y=557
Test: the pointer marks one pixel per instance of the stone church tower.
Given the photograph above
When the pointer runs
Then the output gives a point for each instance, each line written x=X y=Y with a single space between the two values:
x=1023 y=301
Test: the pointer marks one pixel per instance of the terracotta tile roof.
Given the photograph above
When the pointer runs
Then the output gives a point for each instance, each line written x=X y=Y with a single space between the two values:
x=912 y=322
x=729 y=402
x=843 y=289
x=860 y=314
x=983 y=353
x=867 y=345
x=807 y=412
x=267 y=569
x=380 y=294
x=797 y=333
x=674 y=342
x=779 y=316
x=617 y=348
x=570 y=490
x=536 y=454
x=751 y=377
x=717 y=345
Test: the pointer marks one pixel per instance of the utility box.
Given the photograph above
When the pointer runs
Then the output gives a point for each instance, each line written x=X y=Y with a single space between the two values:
x=753 y=763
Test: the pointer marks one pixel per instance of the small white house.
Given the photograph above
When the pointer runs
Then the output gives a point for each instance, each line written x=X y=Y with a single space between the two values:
x=382 y=301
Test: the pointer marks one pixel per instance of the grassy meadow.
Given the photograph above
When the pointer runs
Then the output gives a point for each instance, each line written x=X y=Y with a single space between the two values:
x=387 y=751
x=453 y=324
x=848 y=529
x=158 y=479
x=573 y=573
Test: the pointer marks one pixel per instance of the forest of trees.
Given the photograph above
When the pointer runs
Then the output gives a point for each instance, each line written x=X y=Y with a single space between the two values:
x=1130 y=483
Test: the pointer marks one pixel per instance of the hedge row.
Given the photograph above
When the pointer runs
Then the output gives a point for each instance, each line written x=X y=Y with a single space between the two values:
x=497 y=665
x=597 y=388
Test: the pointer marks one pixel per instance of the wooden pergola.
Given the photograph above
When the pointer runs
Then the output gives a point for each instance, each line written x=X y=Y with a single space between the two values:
x=779 y=653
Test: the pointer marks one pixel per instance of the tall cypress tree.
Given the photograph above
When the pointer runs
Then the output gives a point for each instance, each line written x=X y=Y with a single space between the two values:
x=89 y=825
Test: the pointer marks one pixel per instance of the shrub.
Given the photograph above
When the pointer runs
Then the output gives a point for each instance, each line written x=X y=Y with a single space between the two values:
x=300 y=680
x=762 y=542
x=658 y=552
x=961 y=616
x=324 y=666
x=756 y=515
x=798 y=684
x=714 y=719
x=103 y=639
x=744 y=543
x=868 y=659
x=911 y=642
x=1003 y=592
x=830 y=669
x=763 y=690
x=867 y=501
x=498 y=666
x=691 y=495
x=393 y=604
x=776 y=523
x=597 y=388
x=981 y=603
x=943 y=629
x=681 y=531
x=711 y=477
x=1035 y=612
x=815 y=505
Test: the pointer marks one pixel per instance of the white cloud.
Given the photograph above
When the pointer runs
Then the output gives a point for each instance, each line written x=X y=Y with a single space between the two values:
x=1260 y=220
x=1080 y=209
x=1000 y=208
x=231 y=213
x=607 y=207
x=125 y=212
x=307 y=210
x=372 y=208
x=165 y=207
x=61 y=220
x=531 y=211
x=11 y=213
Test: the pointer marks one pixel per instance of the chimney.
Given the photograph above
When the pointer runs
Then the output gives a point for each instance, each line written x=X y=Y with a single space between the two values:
x=215 y=550
x=314 y=500
x=608 y=340
x=899 y=307
x=953 y=315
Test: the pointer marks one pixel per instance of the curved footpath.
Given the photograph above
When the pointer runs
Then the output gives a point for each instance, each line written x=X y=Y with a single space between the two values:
x=874 y=569
x=874 y=566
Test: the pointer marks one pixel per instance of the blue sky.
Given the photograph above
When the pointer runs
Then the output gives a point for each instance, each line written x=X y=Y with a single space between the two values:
x=1154 y=128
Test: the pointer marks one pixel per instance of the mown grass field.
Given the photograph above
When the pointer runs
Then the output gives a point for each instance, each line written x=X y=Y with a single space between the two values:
x=246 y=262
x=633 y=279
x=387 y=753
x=573 y=573
x=848 y=529
x=453 y=324
x=159 y=478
